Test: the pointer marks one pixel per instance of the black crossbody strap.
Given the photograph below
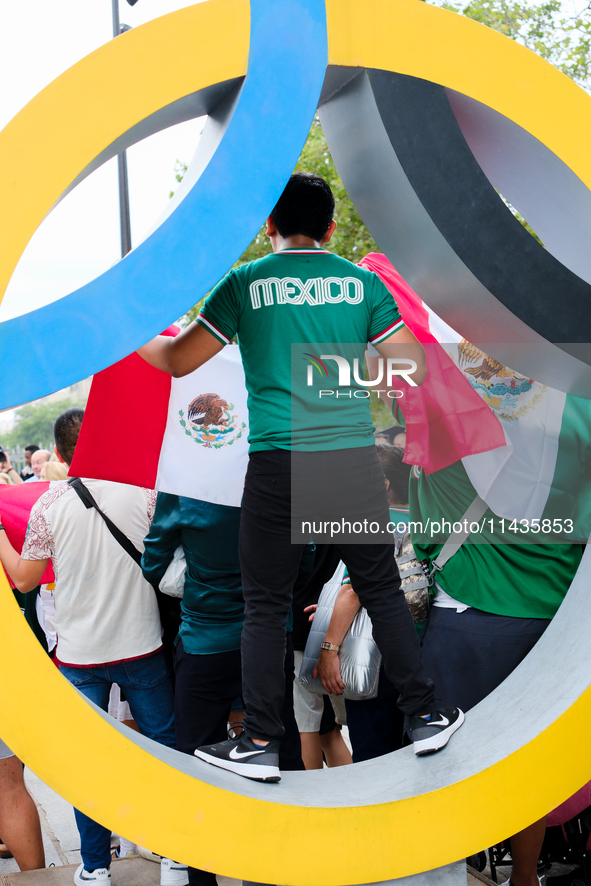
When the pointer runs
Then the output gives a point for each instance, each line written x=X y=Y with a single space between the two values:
x=87 y=499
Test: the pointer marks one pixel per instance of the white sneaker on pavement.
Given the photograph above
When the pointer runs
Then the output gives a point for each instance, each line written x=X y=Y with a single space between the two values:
x=172 y=873
x=99 y=875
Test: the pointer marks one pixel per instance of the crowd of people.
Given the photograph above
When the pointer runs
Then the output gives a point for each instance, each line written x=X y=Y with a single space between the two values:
x=40 y=464
x=227 y=655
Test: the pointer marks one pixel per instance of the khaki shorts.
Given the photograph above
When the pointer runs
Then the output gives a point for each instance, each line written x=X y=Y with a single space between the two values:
x=5 y=751
x=309 y=706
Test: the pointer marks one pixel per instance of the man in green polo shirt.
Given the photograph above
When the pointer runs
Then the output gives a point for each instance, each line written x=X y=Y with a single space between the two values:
x=493 y=600
x=311 y=448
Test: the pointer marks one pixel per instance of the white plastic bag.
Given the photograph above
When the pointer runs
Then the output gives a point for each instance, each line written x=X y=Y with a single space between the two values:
x=173 y=581
x=359 y=657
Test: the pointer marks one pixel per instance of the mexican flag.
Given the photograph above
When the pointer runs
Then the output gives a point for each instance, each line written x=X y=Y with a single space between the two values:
x=525 y=446
x=161 y=435
x=187 y=436
x=542 y=470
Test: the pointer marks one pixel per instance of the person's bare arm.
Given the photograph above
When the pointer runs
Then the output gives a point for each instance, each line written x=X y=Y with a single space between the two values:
x=327 y=667
x=8 y=469
x=182 y=354
x=26 y=574
x=403 y=345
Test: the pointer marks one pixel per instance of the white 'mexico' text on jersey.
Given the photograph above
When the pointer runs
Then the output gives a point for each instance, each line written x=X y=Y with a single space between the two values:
x=314 y=291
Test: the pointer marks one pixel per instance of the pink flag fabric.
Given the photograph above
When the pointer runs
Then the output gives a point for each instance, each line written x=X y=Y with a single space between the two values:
x=15 y=507
x=445 y=418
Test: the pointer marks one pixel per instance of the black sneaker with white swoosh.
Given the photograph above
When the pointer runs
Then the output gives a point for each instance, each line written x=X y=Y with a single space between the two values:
x=242 y=756
x=430 y=734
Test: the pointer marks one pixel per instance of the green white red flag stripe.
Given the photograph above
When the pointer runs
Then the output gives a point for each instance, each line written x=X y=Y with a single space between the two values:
x=542 y=470
x=211 y=327
x=394 y=327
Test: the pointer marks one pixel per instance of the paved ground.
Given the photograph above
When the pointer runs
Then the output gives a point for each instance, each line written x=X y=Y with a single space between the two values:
x=125 y=872
x=62 y=851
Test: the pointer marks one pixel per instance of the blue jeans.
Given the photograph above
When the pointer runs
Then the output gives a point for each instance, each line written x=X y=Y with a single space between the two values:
x=148 y=687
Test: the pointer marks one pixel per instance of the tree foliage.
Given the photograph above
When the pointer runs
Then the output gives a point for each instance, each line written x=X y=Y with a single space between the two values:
x=34 y=424
x=557 y=32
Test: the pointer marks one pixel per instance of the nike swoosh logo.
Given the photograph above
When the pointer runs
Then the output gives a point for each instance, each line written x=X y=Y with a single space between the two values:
x=236 y=755
x=442 y=722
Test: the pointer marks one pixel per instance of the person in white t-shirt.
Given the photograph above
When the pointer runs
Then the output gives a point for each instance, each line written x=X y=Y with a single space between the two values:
x=106 y=615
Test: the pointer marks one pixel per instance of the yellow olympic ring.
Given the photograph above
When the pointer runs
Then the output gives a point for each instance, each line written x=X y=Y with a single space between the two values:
x=90 y=760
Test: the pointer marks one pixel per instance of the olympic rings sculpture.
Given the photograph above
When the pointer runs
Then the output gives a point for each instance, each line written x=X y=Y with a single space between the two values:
x=258 y=69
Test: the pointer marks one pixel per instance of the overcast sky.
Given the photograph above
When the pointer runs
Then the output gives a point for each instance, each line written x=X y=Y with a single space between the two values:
x=80 y=239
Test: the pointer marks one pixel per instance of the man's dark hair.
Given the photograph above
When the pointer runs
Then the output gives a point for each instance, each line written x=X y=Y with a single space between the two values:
x=66 y=430
x=306 y=207
x=31 y=448
x=395 y=470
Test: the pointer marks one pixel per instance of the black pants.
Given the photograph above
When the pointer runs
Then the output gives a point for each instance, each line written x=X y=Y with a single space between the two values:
x=206 y=686
x=470 y=653
x=269 y=563
x=376 y=726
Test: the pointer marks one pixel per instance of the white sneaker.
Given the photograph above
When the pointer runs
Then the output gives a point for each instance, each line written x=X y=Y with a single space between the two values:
x=116 y=853
x=99 y=875
x=148 y=854
x=173 y=874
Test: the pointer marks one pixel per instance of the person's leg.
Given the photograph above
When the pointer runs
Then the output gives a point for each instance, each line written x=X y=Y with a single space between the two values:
x=334 y=749
x=236 y=717
x=525 y=852
x=308 y=707
x=95 y=840
x=376 y=727
x=336 y=752
x=347 y=487
x=206 y=686
x=149 y=689
x=374 y=576
x=311 y=750
x=19 y=819
x=290 y=753
x=269 y=564
x=470 y=653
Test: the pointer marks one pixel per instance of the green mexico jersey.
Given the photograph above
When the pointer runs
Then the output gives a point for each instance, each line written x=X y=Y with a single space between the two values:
x=495 y=570
x=298 y=315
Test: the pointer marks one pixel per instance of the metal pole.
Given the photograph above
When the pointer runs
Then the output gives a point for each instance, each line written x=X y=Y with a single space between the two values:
x=124 y=219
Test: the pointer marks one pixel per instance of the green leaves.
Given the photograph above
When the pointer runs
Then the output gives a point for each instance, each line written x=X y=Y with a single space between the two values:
x=34 y=424
x=556 y=31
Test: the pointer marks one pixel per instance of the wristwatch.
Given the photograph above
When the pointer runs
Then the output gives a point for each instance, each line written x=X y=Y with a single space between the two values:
x=330 y=647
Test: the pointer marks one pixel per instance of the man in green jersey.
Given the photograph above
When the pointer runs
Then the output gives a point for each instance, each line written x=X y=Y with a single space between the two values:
x=280 y=307
x=494 y=599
